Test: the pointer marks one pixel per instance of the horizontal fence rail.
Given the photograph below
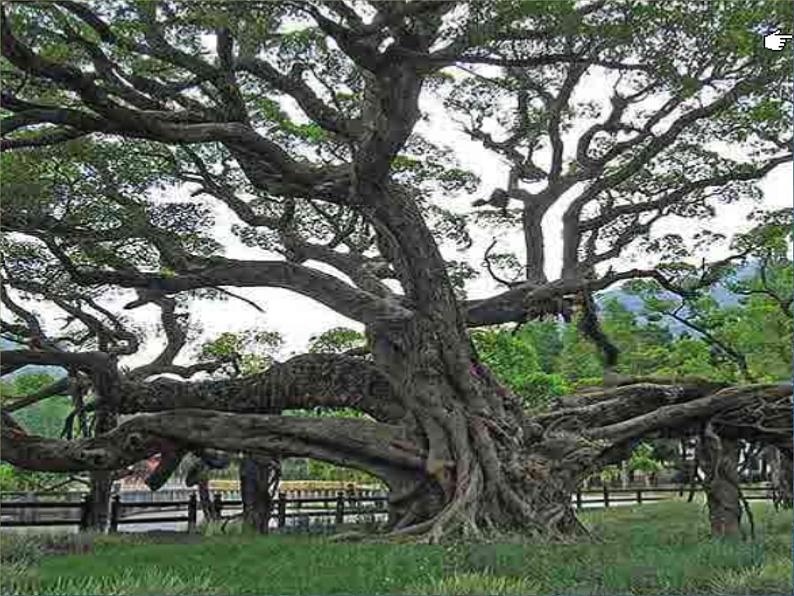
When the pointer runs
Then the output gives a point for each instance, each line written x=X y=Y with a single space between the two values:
x=22 y=512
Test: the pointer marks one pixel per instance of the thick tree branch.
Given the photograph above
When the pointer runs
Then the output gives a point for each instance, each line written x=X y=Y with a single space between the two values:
x=302 y=382
x=326 y=289
x=356 y=443
x=59 y=387
x=742 y=411
x=514 y=304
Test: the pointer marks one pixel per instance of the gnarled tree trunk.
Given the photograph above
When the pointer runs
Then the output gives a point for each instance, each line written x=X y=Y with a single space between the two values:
x=101 y=481
x=205 y=500
x=259 y=478
x=719 y=458
x=781 y=476
x=99 y=493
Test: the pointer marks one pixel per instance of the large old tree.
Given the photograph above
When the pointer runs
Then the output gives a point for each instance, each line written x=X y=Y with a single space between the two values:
x=300 y=117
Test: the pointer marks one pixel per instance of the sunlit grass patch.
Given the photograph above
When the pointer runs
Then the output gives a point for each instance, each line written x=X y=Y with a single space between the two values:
x=771 y=577
x=465 y=584
x=150 y=582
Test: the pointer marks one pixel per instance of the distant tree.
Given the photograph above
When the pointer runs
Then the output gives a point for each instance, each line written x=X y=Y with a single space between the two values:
x=513 y=359
x=545 y=336
x=749 y=339
x=579 y=361
x=45 y=418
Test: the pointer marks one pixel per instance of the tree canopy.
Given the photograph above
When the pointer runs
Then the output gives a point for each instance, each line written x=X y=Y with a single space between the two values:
x=302 y=119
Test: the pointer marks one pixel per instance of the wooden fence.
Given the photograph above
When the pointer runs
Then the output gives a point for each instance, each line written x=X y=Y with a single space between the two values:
x=607 y=496
x=339 y=507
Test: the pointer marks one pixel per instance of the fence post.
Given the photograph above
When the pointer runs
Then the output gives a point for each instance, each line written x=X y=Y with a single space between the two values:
x=340 y=508
x=191 y=514
x=85 y=513
x=639 y=496
x=282 y=510
x=115 y=511
x=217 y=504
x=29 y=513
x=606 y=494
x=578 y=498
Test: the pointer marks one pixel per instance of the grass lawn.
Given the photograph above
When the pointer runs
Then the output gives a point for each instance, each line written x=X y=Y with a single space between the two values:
x=652 y=549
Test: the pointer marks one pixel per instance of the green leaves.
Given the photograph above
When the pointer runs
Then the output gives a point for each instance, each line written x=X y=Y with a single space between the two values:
x=508 y=356
x=514 y=361
x=642 y=459
x=750 y=320
x=246 y=352
x=336 y=341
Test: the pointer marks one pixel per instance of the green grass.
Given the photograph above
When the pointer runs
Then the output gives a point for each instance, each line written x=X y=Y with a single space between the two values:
x=652 y=549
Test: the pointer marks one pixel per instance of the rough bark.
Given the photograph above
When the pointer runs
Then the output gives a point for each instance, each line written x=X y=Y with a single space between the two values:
x=101 y=481
x=782 y=477
x=99 y=493
x=719 y=457
x=205 y=500
x=306 y=381
x=259 y=478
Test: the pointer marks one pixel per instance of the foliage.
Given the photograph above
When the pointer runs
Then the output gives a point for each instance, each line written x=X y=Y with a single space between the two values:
x=146 y=582
x=544 y=335
x=745 y=338
x=643 y=460
x=746 y=317
x=513 y=358
x=246 y=352
x=14 y=479
x=318 y=470
x=336 y=340
x=764 y=578
x=578 y=359
x=609 y=473
x=510 y=358
x=45 y=418
x=28 y=549
x=538 y=389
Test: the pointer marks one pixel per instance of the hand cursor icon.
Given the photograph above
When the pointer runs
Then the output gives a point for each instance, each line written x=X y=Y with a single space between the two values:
x=775 y=41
